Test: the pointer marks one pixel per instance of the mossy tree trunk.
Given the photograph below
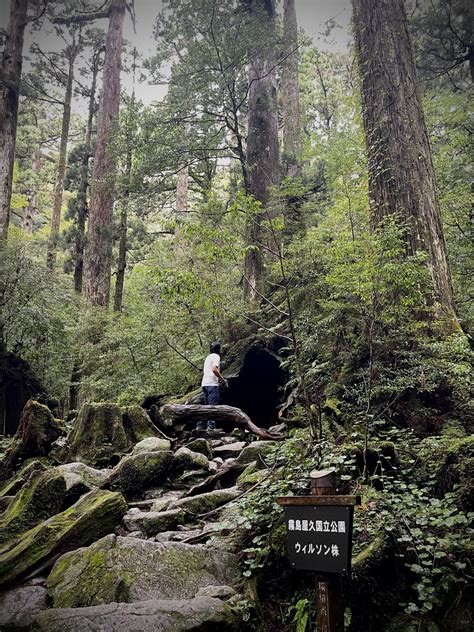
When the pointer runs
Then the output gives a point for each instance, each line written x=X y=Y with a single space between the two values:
x=98 y=251
x=262 y=161
x=401 y=173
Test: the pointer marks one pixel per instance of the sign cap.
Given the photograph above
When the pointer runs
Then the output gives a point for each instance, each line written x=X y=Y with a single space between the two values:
x=322 y=473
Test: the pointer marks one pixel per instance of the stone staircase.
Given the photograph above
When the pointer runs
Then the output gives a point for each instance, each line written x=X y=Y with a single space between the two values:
x=171 y=564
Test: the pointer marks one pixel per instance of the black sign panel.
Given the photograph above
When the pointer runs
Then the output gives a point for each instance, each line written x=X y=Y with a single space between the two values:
x=319 y=537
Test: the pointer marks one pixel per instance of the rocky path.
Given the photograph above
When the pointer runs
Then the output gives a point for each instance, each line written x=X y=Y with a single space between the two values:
x=156 y=550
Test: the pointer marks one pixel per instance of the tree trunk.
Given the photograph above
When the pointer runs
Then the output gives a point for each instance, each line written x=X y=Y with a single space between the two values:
x=84 y=181
x=262 y=153
x=10 y=90
x=122 y=258
x=31 y=208
x=182 y=194
x=228 y=415
x=98 y=251
x=291 y=92
x=401 y=173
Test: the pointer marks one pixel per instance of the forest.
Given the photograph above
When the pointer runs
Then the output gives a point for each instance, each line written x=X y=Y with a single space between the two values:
x=290 y=180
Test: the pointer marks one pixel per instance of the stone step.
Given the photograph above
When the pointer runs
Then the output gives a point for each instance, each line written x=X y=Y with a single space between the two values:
x=156 y=615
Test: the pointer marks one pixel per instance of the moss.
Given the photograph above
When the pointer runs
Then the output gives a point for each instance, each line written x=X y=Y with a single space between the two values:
x=93 y=516
x=16 y=482
x=98 y=436
x=40 y=498
x=139 y=472
x=36 y=433
x=137 y=424
x=251 y=475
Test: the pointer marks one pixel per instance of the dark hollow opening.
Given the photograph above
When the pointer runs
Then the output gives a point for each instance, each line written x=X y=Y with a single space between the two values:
x=257 y=388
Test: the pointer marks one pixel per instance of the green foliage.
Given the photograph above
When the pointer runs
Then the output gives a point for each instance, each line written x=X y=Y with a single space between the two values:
x=39 y=314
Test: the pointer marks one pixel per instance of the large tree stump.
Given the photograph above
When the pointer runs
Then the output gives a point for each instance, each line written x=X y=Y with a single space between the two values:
x=228 y=416
x=35 y=436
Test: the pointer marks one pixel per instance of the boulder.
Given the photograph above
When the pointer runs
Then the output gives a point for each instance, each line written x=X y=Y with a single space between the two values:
x=89 y=475
x=137 y=424
x=138 y=472
x=152 y=444
x=41 y=497
x=98 y=435
x=217 y=592
x=156 y=615
x=202 y=446
x=186 y=459
x=206 y=502
x=156 y=522
x=19 y=606
x=13 y=485
x=36 y=433
x=251 y=476
x=118 y=569
x=93 y=516
x=256 y=451
x=230 y=450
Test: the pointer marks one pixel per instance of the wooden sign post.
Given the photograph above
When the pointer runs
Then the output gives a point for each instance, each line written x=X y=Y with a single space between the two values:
x=319 y=530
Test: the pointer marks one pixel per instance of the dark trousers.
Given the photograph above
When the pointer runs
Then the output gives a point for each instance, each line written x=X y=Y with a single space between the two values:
x=211 y=398
x=211 y=395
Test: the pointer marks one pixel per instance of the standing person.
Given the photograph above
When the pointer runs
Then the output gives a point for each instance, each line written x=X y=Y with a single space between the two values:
x=211 y=380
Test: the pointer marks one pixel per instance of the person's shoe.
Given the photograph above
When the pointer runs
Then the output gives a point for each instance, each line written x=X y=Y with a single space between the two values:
x=200 y=427
x=211 y=425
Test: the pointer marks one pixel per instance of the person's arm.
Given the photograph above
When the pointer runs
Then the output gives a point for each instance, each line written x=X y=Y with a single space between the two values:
x=218 y=374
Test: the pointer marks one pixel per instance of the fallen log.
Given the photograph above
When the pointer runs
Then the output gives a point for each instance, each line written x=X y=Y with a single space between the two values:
x=226 y=415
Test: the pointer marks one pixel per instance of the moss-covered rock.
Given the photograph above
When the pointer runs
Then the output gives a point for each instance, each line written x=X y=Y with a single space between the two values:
x=14 y=484
x=118 y=569
x=36 y=433
x=98 y=436
x=171 y=615
x=206 y=502
x=152 y=444
x=256 y=451
x=138 y=472
x=157 y=522
x=186 y=459
x=41 y=497
x=91 y=476
x=202 y=446
x=251 y=475
x=93 y=516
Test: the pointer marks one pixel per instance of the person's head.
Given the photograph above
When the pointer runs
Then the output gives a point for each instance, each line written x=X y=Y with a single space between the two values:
x=215 y=347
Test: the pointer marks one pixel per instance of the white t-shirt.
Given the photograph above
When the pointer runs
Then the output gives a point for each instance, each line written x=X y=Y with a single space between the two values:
x=212 y=361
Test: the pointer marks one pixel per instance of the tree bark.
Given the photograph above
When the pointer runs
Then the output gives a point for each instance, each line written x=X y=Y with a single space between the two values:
x=98 y=251
x=84 y=181
x=9 y=94
x=401 y=173
x=59 y=185
x=228 y=415
x=31 y=208
x=291 y=92
x=262 y=151
x=182 y=193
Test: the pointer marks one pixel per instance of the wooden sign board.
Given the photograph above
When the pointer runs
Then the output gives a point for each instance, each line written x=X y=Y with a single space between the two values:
x=319 y=532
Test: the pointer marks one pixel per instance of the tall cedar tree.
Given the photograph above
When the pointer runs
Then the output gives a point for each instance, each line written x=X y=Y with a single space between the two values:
x=98 y=251
x=291 y=92
x=81 y=202
x=71 y=52
x=401 y=173
x=262 y=147
x=12 y=59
